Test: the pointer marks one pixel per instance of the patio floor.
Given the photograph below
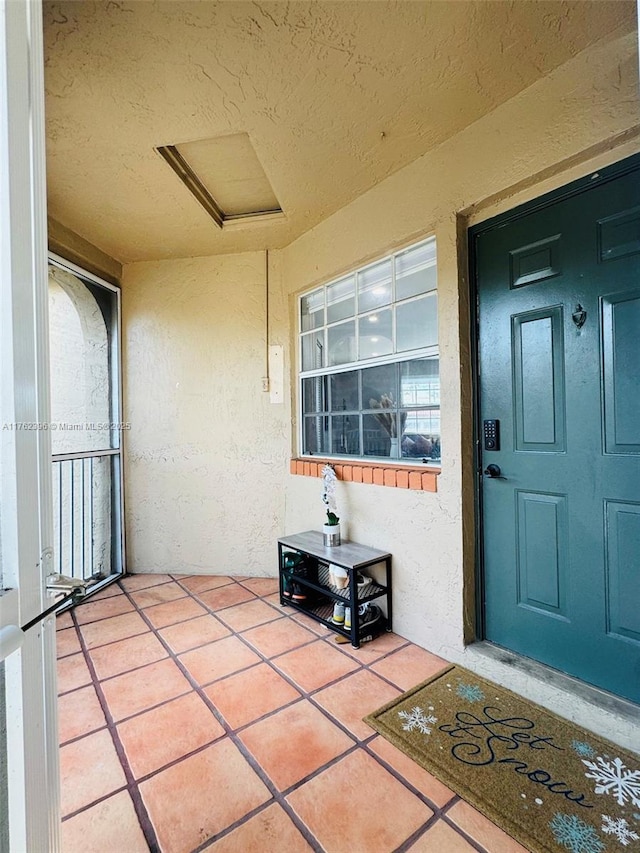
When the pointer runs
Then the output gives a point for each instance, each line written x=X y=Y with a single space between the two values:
x=195 y=713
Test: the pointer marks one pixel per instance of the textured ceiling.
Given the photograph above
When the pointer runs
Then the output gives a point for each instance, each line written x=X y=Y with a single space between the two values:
x=335 y=96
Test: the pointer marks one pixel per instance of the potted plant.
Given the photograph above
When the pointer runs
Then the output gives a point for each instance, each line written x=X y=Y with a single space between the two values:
x=331 y=528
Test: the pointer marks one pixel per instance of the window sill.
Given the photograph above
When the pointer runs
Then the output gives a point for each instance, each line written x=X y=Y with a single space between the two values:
x=374 y=473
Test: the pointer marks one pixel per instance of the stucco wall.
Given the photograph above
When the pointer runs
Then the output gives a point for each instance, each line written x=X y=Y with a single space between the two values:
x=576 y=113
x=207 y=451
x=208 y=487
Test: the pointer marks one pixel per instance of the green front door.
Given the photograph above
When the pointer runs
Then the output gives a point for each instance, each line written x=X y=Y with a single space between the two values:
x=558 y=287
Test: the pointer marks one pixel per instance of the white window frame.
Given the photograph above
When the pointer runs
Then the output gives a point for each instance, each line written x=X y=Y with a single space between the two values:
x=431 y=351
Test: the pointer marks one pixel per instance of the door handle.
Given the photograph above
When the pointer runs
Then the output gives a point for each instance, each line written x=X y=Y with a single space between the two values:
x=493 y=472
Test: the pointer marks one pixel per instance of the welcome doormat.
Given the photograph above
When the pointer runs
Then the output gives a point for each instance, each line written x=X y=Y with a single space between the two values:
x=546 y=782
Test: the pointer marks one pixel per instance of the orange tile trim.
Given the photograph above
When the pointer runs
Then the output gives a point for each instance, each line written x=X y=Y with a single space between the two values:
x=377 y=473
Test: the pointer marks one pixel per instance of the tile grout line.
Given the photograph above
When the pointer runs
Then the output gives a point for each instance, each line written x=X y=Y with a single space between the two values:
x=276 y=795
x=140 y=809
x=309 y=695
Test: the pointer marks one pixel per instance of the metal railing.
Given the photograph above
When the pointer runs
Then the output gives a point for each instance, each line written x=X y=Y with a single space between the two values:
x=87 y=517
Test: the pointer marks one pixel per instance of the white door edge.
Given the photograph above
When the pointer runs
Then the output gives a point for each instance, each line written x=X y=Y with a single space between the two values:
x=25 y=470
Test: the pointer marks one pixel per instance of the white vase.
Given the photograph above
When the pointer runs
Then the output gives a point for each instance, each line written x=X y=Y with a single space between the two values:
x=393 y=448
x=331 y=534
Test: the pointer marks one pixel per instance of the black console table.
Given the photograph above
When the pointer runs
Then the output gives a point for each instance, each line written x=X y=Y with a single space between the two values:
x=349 y=556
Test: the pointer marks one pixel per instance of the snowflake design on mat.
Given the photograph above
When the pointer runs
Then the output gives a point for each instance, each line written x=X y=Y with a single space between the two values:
x=583 y=749
x=574 y=834
x=612 y=777
x=620 y=828
x=417 y=720
x=470 y=692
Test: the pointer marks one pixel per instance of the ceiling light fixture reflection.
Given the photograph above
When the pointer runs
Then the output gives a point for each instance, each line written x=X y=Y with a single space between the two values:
x=373 y=318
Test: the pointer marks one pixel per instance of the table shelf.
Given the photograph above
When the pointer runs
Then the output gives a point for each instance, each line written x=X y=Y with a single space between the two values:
x=350 y=556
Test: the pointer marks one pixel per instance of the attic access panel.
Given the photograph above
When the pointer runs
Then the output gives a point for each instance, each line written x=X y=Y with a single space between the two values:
x=225 y=176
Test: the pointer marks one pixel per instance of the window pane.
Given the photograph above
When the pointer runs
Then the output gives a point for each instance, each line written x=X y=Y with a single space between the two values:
x=420 y=382
x=342 y=343
x=375 y=334
x=421 y=436
x=313 y=351
x=316 y=436
x=374 y=286
x=417 y=323
x=382 y=409
x=341 y=300
x=344 y=392
x=345 y=435
x=420 y=386
x=312 y=310
x=314 y=394
x=377 y=440
x=416 y=271
x=379 y=387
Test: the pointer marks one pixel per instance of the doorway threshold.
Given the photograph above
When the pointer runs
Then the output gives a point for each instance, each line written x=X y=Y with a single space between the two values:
x=606 y=715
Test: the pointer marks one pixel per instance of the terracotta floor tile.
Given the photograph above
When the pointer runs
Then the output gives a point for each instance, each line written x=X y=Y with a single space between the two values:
x=375 y=649
x=483 y=832
x=195 y=632
x=307 y=622
x=201 y=583
x=188 y=803
x=277 y=637
x=111 y=825
x=91 y=610
x=63 y=621
x=441 y=838
x=248 y=695
x=357 y=805
x=158 y=594
x=67 y=642
x=218 y=659
x=248 y=615
x=124 y=655
x=225 y=596
x=143 y=688
x=79 y=713
x=315 y=665
x=132 y=583
x=423 y=781
x=165 y=734
x=89 y=769
x=262 y=586
x=171 y=612
x=113 y=629
x=268 y=831
x=409 y=666
x=294 y=742
x=73 y=672
x=354 y=697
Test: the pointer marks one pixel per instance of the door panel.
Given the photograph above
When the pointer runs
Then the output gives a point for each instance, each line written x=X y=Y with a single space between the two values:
x=538 y=380
x=561 y=531
x=542 y=538
x=620 y=344
x=623 y=537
